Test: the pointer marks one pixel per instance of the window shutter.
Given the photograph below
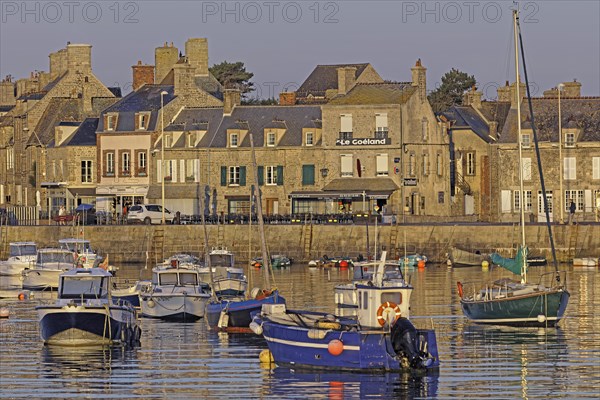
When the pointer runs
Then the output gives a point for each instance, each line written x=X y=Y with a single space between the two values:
x=182 y=170
x=596 y=168
x=242 y=176
x=261 y=175
x=346 y=123
x=173 y=170
x=506 y=197
x=196 y=170
x=223 y=176
x=158 y=171
x=280 y=175
x=308 y=174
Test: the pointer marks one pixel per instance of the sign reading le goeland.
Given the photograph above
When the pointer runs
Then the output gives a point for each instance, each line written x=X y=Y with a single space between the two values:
x=410 y=181
x=363 y=142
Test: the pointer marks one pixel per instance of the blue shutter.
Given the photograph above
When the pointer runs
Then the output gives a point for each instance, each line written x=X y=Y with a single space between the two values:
x=280 y=175
x=223 y=176
x=308 y=174
x=242 y=176
x=261 y=175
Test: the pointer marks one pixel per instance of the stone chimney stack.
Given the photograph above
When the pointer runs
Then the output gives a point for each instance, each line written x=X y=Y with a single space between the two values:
x=346 y=79
x=79 y=58
x=58 y=63
x=142 y=75
x=571 y=89
x=164 y=59
x=472 y=98
x=7 y=92
x=493 y=129
x=287 y=98
x=231 y=98
x=504 y=93
x=196 y=51
x=419 y=79
x=183 y=78
x=513 y=93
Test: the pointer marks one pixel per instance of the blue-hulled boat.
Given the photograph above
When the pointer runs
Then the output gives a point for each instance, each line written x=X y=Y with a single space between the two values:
x=380 y=339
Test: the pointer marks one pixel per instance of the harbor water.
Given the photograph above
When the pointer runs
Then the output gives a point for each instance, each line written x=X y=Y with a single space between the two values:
x=187 y=360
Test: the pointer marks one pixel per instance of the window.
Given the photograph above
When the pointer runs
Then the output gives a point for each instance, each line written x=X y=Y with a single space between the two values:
x=577 y=197
x=10 y=158
x=526 y=140
x=192 y=168
x=270 y=139
x=142 y=162
x=86 y=171
x=346 y=164
x=191 y=139
x=170 y=170
x=143 y=121
x=570 y=139
x=308 y=175
x=569 y=172
x=111 y=122
x=382 y=165
x=381 y=126
x=441 y=197
x=310 y=139
x=526 y=165
x=233 y=140
x=517 y=200
x=305 y=206
x=346 y=124
x=345 y=135
x=234 y=176
x=412 y=165
x=271 y=175
x=471 y=163
x=125 y=163
x=439 y=165
x=239 y=206
x=168 y=141
x=425 y=164
x=425 y=129
x=595 y=167
x=110 y=164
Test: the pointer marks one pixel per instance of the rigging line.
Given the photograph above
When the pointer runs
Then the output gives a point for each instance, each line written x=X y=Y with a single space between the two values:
x=539 y=158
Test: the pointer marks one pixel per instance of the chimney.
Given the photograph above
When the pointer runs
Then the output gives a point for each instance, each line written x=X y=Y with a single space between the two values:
x=493 y=132
x=346 y=79
x=58 y=63
x=571 y=89
x=164 y=59
x=196 y=51
x=472 y=98
x=513 y=93
x=504 y=93
x=183 y=78
x=419 y=79
x=142 y=75
x=7 y=92
x=79 y=57
x=231 y=98
x=551 y=93
x=287 y=98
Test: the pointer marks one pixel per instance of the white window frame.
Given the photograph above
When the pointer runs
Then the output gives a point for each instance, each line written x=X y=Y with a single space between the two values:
x=271 y=139
x=347 y=165
x=233 y=140
x=381 y=125
x=110 y=163
x=578 y=197
x=425 y=164
x=233 y=176
x=570 y=139
x=309 y=139
x=191 y=139
x=143 y=120
x=142 y=161
x=569 y=168
x=470 y=163
x=517 y=200
x=271 y=175
x=111 y=122
x=526 y=140
x=168 y=141
x=86 y=171
x=382 y=164
x=126 y=162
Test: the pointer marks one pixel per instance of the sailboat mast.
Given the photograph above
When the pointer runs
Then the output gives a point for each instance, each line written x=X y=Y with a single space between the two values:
x=206 y=251
x=259 y=215
x=520 y=144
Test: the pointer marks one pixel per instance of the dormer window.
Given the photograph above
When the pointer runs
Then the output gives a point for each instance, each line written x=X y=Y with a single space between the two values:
x=111 y=122
x=271 y=139
x=168 y=141
x=142 y=121
x=233 y=140
x=570 y=139
x=191 y=139
x=310 y=138
x=526 y=140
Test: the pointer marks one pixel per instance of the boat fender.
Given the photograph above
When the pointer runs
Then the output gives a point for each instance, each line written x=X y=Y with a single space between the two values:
x=460 y=289
x=328 y=325
x=4 y=312
x=255 y=291
x=151 y=303
x=266 y=357
x=316 y=333
x=335 y=347
x=256 y=328
x=385 y=307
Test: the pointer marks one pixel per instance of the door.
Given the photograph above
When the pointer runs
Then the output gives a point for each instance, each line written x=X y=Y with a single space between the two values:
x=469 y=205
x=541 y=215
x=272 y=206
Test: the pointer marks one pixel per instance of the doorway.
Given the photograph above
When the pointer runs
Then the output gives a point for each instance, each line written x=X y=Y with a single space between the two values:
x=541 y=215
x=272 y=206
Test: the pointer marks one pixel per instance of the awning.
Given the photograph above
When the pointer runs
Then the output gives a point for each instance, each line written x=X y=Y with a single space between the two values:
x=83 y=192
x=351 y=188
x=341 y=195
x=53 y=185
x=122 y=190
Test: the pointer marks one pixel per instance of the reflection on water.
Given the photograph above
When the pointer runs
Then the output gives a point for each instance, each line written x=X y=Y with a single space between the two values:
x=186 y=360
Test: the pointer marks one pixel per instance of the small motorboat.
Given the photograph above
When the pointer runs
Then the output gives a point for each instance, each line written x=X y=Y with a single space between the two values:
x=585 y=262
x=49 y=264
x=132 y=293
x=228 y=279
x=22 y=255
x=278 y=261
x=413 y=260
x=86 y=256
x=86 y=314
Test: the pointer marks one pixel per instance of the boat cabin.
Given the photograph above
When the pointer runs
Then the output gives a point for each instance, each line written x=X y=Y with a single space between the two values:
x=221 y=258
x=93 y=283
x=79 y=246
x=59 y=258
x=175 y=277
x=22 y=249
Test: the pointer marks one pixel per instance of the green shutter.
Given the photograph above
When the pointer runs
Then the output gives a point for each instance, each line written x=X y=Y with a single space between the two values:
x=242 y=176
x=261 y=175
x=223 y=176
x=280 y=175
x=308 y=174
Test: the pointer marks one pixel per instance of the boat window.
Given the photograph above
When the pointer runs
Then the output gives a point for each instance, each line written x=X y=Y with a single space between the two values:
x=365 y=300
x=188 y=278
x=168 y=278
x=55 y=257
x=23 y=250
x=92 y=287
x=220 y=259
x=236 y=275
x=392 y=298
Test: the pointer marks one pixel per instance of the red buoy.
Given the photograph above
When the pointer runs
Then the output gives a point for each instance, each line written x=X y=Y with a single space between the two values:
x=335 y=347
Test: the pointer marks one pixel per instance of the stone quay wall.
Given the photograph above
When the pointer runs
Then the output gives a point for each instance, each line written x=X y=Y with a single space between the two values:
x=133 y=243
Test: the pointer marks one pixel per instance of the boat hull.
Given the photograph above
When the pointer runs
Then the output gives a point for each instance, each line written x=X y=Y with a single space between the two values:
x=545 y=308
x=239 y=313
x=230 y=287
x=176 y=306
x=13 y=267
x=41 y=279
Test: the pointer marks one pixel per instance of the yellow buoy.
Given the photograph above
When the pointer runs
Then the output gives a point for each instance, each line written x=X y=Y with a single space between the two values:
x=266 y=357
x=485 y=264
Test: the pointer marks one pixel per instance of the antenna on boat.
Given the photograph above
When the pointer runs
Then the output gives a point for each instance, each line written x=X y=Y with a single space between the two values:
x=206 y=251
x=537 y=152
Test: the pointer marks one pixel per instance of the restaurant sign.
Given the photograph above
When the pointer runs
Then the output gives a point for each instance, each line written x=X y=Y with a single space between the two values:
x=363 y=142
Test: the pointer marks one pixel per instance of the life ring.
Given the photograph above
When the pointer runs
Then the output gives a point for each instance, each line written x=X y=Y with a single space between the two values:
x=388 y=304
x=460 y=289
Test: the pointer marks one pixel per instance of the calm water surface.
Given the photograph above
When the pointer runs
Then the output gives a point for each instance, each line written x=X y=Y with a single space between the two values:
x=186 y=360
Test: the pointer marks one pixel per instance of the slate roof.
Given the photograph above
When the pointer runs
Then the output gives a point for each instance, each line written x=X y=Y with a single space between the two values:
x=146 y=98
x=325 y=77
x=255 y=119
x=376 y=93
x=496 y=111
x=85 y=135
x=465 y=117
x=59 y=109
x=32 y=96
x=6 y=108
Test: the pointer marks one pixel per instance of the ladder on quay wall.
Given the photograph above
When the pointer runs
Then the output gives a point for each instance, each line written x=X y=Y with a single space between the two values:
x=307 y=235
x=573 y=233
x=155 y=240
x=394 y=242
x=221 y=233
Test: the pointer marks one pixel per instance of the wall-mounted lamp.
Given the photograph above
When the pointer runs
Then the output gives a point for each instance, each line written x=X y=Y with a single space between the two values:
x=324 y=172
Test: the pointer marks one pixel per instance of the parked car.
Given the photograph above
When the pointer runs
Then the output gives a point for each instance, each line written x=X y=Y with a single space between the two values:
x=148 y=214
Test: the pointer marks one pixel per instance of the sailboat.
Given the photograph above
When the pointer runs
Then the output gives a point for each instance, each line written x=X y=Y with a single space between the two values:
x=519 y=303
x=235 y=313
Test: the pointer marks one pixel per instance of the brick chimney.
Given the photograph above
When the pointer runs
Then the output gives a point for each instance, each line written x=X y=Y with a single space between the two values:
x=287 y=98
x=419 y=79
x=58 y=63
x=231 y=98
x=346 y=79
x=513 y=93
x=7 y=92
x=142 y=75
x=504 y=93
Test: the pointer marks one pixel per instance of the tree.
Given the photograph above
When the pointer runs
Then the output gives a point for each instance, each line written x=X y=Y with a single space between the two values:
x=450 y=92
x=233 y=76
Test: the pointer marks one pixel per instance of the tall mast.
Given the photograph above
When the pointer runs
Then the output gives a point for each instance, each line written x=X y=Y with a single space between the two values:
x=259 y=215
x=520 y=144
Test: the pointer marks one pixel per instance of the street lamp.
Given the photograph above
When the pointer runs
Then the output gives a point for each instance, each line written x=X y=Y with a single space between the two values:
x=162 y=154
x=560 y=160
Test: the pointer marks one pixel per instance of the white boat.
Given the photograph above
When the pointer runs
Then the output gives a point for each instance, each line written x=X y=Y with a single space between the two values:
x=49 y=264
x=86 y=256
x=132 y=293
x=86 y=314
x=21 y=256
x=465 y=258
x=228 y=279
x=585 y=262
x=176 y=293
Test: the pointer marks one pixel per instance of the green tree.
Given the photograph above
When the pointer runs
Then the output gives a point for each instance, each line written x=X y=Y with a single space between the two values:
x=450 y=92
x=233 y=76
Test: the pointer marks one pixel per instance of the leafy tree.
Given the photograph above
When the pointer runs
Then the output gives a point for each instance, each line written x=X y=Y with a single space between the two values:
x=254 y=101
x=450 y=92
x=233 y=76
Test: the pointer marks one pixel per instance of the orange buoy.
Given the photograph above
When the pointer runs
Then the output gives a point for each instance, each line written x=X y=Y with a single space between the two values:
x=335 y=347
x=343 y=264
x=21 y=296
x=421 y=264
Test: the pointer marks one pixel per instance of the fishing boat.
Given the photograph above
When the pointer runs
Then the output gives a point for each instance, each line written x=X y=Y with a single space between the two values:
x=86 y=314
x=235 y=313
x=228 y=280
x=48 y=266
x=519 y=303
x=277 y=261
x=458 y=257
x=380 y=339
x=87 y=257
x=21 y=255
x=176 y=293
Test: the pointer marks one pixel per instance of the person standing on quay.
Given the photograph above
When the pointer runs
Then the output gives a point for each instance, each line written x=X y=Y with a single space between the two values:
x=572 y=209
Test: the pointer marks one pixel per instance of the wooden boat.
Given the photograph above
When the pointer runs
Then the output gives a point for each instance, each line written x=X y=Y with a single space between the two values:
x=380 y=339
x=458 y=257
x=86 y=314
x=21 y=255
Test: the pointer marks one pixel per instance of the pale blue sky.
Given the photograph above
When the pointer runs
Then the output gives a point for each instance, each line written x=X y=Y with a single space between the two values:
x=282 y=41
